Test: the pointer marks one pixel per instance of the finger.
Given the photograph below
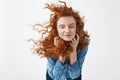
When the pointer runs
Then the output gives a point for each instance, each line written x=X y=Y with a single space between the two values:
x=73 y=41
x=55 y=41
x=78 y=37
x=71 y=44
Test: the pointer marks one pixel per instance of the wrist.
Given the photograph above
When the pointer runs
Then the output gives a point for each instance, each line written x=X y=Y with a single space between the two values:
x=73 y=58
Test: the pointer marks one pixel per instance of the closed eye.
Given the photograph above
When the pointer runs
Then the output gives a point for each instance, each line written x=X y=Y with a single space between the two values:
x=61 y=26
x=72 y=26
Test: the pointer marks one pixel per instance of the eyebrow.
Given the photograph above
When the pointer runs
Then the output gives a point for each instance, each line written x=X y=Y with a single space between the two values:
x=72 y=24
x=61 y=25
x=69 y=24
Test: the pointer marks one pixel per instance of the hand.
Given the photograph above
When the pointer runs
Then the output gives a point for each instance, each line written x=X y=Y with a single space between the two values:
x=74 y=43
x=73 y=55
x=56 y=41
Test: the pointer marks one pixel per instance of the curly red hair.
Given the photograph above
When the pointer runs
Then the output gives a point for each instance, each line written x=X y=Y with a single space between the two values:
x=46 y=47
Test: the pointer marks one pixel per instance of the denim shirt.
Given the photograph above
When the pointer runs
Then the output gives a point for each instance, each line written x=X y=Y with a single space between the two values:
x=58 y=71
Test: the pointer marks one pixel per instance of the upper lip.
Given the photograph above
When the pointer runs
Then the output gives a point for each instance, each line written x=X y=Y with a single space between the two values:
x=67 y=35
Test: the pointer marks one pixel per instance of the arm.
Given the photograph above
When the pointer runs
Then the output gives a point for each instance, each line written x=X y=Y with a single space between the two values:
x=75 y=69
x=56 y=69
x=73 y=55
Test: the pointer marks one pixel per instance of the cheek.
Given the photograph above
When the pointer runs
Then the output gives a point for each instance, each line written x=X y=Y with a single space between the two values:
x=74 y=31
x=59 y=31
x=74 y=34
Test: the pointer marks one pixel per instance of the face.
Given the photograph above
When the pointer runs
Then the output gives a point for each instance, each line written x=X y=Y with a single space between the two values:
x=66 y=27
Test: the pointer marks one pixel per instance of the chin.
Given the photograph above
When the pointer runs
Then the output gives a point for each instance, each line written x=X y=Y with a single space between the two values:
x=67 y=39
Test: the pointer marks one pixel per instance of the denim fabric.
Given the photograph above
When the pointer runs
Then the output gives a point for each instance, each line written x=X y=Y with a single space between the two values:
x=58 y=71
x=49 y=78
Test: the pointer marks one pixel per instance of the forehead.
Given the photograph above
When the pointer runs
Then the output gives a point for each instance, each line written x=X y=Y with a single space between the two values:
x=66 y=20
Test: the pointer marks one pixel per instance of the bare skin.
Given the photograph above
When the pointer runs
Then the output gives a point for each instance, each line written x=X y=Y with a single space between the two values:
x=73 y=56
x=74 y=44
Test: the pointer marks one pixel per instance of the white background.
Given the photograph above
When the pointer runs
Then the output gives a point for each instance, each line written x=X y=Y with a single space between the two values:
x=102 y=21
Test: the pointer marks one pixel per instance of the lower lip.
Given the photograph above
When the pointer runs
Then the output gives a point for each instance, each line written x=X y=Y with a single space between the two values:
x=67 y=35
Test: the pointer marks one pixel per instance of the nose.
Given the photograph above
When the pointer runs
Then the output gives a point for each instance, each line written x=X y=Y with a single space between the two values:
x=67 y=29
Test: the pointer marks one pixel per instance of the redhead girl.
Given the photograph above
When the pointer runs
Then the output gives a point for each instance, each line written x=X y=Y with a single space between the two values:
x=65 y=44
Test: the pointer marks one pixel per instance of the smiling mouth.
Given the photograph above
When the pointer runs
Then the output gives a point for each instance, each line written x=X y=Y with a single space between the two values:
x=67 y=35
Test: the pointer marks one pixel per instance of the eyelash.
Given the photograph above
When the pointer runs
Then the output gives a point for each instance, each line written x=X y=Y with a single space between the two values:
x=64 y=27
x=71 y=26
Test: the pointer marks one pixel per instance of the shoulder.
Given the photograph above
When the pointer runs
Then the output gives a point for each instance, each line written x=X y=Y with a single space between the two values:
x=83 y=51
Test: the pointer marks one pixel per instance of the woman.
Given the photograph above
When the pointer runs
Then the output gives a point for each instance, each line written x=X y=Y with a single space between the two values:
x=64 y=43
